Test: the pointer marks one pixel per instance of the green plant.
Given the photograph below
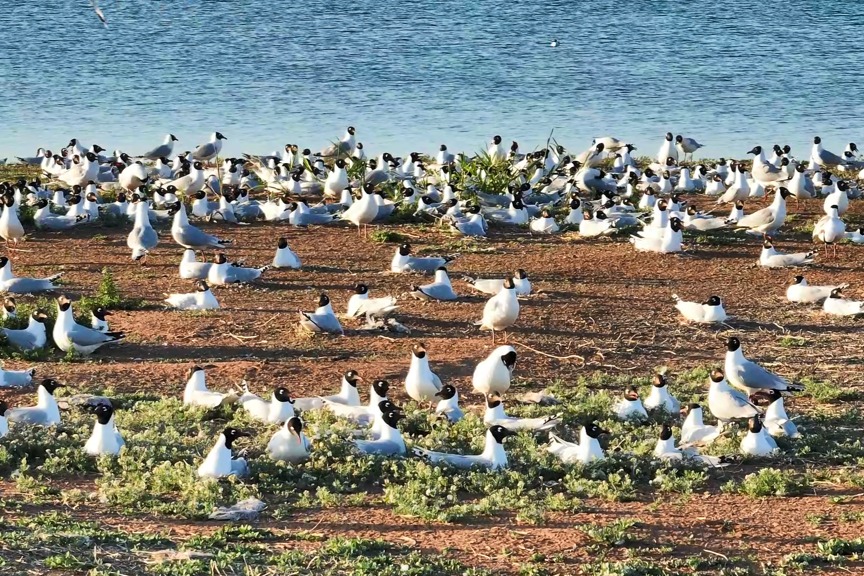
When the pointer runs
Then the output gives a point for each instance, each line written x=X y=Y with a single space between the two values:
x=107 y=296
x=613 y=534
x=774 y=482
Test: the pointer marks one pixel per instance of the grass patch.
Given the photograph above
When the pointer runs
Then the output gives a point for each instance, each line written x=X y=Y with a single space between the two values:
x=107 y=296
x=774 y=482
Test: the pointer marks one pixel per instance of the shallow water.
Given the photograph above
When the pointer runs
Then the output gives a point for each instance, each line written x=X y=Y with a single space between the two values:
x=414 y=75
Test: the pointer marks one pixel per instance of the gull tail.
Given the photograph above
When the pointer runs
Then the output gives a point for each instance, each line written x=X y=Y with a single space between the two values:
x=116 y=335
x=54 y=277
x=795 y=387
x=469 y=280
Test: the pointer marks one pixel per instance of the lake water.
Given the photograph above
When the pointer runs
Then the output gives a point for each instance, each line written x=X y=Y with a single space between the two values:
x=413 y=75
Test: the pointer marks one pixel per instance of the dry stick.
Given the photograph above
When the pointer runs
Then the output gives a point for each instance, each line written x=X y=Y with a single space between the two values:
x=549 y=355
x=716 y=554
x=241 y=338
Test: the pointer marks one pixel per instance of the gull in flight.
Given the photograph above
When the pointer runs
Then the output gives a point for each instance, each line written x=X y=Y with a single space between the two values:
x=99 y=13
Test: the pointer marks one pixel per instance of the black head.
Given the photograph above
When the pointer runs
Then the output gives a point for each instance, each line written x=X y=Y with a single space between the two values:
x=173 y=138
x=631 y=393
x=668 y=136
x=282 y=395
x=352 y=377
x=508 y=284
x=231 y=434
x=773 y=396
x=733 y=343
x=509 y=359
x=665 y=432
x=351 y=130
x=340 y=163
x=521 y=274
x=756 y=150
x=493 y=401
x=836 y=293
x=717 y=375
x=103 y=413
x=575 y=203
x=405 y=249
x=500 y=433
x=754 y=425
x=659 y=381
x=817 y=140
x=9 y=304
x=797 y=279
x=63 y=303
x=39 y=316
x=361 y=289
x=381 y=387
x=693 y=406
x=51 y=385
x=496 y=140
x=712 y=301
x=419 y=350
x=221 y=259
x=447 y=392
x=679 y=138
x=593 y=430
x=295 y=425
x=101 y=313
x=220 y=136
x=391 y=417
x=3 y=408
x=784 y=192
x=323 y=300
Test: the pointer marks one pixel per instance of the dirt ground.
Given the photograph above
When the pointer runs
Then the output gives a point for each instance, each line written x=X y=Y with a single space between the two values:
x=599 y=306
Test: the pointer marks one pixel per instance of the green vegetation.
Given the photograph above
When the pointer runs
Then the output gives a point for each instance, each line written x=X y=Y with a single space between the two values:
x=107 y=296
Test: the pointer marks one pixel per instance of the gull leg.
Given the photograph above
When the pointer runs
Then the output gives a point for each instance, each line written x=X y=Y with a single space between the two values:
x=493 y=336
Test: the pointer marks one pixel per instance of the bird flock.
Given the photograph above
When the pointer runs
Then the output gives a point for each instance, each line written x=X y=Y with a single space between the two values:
x=596 y=193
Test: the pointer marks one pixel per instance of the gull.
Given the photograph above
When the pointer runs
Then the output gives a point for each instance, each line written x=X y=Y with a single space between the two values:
x=322 y=319
x=595 y=225
x=390 y=441
x=473 y=225
x=769 y=219
x=694 y=221
x=495 y=416
x=9 y=308
x=770 y=258
x=667 y=150
x=133 y=177
x=105 y=440
x=190 y=269
x=586 y=451
x=668 y=243
x=739 y=190
x=190 y=183
x=421 y=383
x=16 y=378
x=776 y=420
x=222 y=272
x=11 y=229
x=630 y=407
x=41 y=155
x=757 y=442
x=342 y=148
x=726 y=403
x=289 y=443
x=201 y=299
x=99 y=13
x=347 y=395
x=836 y=305
x=554 y=43
x=98 y=319
x=763 y=171
x=493 y=456
x=665 y=449
x=800 y=186
x=439 y=289
x=707 y=312
x=686 y=146
x=31 y=338
x=83 y=169
x=800 y=291
x=360 y=304
x=143 y=238
x=403 y=261
x=219 y=462
x=69 y=335
x=209 y=150
x=196 y=392
x=694 y=430
x=45 y=413
x=363 y=415
x=822 y=157
x=659 y=398
x=19 y=285
x=4 y=423
x=284 y=257
x=839 y=197
x=856 y=236
x=189 y=236
x=494 y=285
x=501 y=311
x=493 y=375
x=337 y=180
x=574 y=216
x=545 y=224
x=496 y=151
x=749 y=376
x=443 y=157
x=44 y=219
x=830 y=229
x=448 y=406
x=276 y=411
x=164 y=150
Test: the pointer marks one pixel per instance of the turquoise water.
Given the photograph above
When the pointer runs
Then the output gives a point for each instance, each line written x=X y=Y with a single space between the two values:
x=413 y=75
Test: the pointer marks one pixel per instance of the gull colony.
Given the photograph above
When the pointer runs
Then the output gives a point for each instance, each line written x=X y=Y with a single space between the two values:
x=596 y=193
